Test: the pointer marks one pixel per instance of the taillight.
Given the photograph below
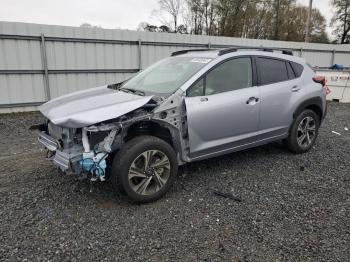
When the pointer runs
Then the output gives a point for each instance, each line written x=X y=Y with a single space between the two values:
x=326 y=90
x=322 y=80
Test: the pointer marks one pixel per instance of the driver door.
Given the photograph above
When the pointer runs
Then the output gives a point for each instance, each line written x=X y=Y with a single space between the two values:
x=223 y=109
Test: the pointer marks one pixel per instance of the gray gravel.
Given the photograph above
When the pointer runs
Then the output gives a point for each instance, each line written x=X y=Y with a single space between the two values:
x=293 y=208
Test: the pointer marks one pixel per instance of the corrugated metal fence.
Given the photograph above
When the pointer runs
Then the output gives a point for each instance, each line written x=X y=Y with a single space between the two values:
x=40 y=62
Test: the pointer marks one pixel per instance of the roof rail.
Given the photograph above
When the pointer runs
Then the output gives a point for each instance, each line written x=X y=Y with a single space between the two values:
x=180 y=52
x=228 y=50
x=287 y=52
x=234 y=49
x=264 y=49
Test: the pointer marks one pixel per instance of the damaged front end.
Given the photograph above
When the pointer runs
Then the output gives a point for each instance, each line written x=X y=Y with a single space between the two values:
x=85 y=127
x=81 y=151
x=84 y=130
x=87 y=151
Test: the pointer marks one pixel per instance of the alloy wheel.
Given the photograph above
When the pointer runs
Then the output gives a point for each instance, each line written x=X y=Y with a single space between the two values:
x=149 y=172
x=306 y=131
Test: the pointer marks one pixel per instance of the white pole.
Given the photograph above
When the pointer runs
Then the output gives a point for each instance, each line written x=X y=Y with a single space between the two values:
x=308 y=22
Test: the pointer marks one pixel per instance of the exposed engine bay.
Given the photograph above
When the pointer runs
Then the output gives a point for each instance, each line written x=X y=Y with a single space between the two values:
x=88 y=151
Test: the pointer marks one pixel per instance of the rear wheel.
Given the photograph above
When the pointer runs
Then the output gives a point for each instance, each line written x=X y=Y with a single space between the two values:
x=144 y=169
x=304 y=131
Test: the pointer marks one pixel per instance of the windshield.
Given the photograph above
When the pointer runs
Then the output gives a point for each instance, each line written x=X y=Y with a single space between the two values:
x=167 y=75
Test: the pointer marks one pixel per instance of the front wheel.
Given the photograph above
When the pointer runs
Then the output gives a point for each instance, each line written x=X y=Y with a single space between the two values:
x=144 y=169
x=304 y=131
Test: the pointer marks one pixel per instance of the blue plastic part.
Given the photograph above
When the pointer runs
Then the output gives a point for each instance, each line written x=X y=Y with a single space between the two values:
x=337 y=67
x=97 y=168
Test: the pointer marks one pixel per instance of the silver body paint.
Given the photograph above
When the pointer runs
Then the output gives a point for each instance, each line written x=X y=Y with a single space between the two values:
x=91 y=106
x=200 y=127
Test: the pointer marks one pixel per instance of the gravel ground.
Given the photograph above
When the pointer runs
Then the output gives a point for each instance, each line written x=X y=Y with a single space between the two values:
x=293 y=208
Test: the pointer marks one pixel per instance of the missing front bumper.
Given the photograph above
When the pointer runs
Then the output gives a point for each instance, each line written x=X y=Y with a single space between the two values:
x=65 y=159
x=69 y=160
x=49 y=142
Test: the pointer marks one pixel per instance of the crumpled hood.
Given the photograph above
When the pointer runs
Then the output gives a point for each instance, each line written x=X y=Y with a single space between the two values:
x=91 y=106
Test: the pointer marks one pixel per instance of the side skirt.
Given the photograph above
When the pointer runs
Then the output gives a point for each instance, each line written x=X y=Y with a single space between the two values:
x=239 y=148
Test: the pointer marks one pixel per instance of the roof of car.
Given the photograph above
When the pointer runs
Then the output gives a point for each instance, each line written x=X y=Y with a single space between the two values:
x=214 y=53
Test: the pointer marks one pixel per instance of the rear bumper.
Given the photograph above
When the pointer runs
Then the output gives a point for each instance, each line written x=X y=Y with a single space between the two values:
x=325 y=111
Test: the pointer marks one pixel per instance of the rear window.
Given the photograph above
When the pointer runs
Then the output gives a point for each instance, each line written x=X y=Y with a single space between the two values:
x=271 y=70
x=297 y=68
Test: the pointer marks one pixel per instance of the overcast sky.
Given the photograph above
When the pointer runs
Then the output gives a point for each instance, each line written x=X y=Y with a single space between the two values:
x=125 y=14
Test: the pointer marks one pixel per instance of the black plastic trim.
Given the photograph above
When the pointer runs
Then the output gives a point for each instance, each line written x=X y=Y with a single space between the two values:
x=180 y=52
x=314 y=101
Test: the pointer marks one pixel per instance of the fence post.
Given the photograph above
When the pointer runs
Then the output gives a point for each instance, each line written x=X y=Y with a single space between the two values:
x=140 y=54
x=301 y=52
x=44 y=65
x=209 y=45
x=333 y=57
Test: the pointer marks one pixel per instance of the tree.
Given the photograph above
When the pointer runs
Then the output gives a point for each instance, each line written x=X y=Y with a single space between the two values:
x=87 y=25
x=341 y=20
x=295 y=27
x=182 y=29
x=172 y=7
x=259 y=19
x=144 y=26
x=164 y=29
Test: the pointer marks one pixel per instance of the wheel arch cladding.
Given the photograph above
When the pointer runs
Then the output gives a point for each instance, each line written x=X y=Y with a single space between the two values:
x=153 y=128
x=314 y=104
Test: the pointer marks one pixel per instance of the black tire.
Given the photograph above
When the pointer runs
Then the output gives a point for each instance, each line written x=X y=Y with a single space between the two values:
x=292 y=140
x=128 y=154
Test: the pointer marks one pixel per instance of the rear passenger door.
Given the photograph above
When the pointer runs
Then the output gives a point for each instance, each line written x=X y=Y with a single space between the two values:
x=280 y=89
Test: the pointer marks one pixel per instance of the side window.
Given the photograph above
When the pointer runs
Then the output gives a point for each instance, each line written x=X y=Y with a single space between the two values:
x=297 y=68
x=271 y=70
x=231 y=75
x=290 y=71
x=197 y=89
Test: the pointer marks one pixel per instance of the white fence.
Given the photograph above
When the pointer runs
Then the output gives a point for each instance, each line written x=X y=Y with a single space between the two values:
x=40 y=62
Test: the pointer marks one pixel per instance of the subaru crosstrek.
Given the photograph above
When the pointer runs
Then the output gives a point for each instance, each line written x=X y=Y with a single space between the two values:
x=191 y=106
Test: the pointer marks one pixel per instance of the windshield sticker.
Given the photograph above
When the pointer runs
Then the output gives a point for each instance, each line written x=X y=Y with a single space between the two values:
x=200 y=60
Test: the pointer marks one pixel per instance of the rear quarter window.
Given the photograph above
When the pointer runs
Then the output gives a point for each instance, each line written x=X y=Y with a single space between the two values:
x=290 y=71
x=271 y=70
x=297 y=68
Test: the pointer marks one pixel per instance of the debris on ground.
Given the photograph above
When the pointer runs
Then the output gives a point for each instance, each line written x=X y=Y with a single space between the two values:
x=227 y=195
x=337 y=133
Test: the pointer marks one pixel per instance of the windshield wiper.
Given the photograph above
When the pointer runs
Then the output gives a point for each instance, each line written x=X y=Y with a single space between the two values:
x=119 y=86
x=130 y=90
x=115 y=86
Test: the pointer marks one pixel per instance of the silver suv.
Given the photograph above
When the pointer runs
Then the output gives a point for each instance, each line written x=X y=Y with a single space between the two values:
x=191 y=106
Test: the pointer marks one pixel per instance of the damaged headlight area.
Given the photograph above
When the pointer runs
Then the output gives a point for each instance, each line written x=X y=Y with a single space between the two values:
x=94 y=160
x=82 y=151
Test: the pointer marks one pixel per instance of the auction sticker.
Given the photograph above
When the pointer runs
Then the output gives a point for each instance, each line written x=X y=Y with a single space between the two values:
x=201 y=60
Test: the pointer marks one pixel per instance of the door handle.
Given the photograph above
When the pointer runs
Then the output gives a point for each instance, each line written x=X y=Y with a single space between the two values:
x=295 y=88
x=252 y=100
x=203 y=99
